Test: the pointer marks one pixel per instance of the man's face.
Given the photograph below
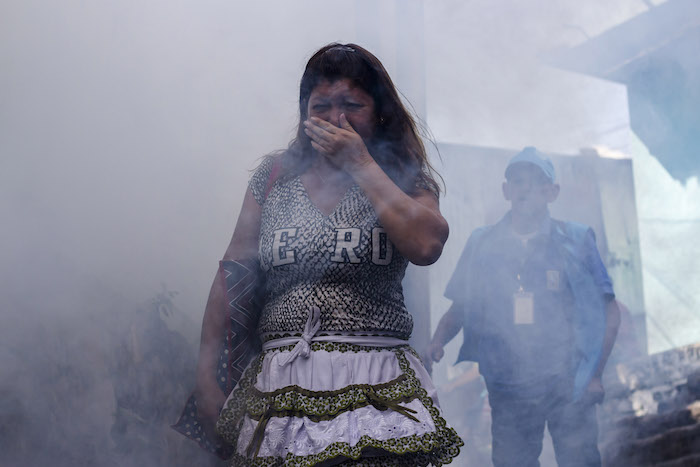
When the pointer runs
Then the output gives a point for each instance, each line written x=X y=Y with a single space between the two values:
x=529 y=190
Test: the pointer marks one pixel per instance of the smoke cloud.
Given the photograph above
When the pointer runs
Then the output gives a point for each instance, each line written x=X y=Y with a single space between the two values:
x=127 y=133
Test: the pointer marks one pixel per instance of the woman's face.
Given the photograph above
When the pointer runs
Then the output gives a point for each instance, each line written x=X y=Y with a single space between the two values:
x=330 y=99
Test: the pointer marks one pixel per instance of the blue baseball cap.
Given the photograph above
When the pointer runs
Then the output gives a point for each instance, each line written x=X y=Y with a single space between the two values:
x=531 y=155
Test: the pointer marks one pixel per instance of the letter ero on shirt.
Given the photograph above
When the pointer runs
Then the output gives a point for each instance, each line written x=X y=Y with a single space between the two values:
x=344 y=249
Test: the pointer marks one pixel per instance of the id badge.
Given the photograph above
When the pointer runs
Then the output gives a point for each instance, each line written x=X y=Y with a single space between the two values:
x=552 y=280
x=523 y=308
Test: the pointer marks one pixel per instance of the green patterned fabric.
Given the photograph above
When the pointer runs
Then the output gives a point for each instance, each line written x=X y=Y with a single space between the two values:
x=436 y=448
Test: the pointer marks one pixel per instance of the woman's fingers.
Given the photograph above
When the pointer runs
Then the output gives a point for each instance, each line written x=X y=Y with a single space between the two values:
x=318 y=137
x=319 y=148
x=316 y=132
x=344 y=124
x=326 y=144
x=324 y=141
x=341 y=145
x=323 y=124
x=319 y=129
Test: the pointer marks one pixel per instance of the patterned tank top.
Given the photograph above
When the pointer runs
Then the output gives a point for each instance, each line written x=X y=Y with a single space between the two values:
x=342 y=263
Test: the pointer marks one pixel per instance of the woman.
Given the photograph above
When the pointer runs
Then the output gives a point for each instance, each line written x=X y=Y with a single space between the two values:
x=334 y=220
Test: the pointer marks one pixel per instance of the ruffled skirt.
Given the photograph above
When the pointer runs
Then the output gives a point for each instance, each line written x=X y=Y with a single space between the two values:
x=342 y=403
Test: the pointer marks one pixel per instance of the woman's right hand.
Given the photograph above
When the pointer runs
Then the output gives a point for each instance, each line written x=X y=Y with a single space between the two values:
x=210 y=401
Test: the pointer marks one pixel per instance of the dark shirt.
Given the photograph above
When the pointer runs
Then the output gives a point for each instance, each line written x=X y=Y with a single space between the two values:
x=511 y=356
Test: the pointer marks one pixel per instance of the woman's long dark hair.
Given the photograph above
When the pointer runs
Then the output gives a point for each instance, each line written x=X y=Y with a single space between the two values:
x=395 y=145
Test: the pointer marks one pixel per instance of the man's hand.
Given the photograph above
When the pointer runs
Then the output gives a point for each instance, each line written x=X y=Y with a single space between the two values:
x=433 y=353
x=448 y=327
x=595 y=393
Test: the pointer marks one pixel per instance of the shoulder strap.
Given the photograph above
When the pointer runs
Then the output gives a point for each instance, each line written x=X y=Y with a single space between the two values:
x=274 y=175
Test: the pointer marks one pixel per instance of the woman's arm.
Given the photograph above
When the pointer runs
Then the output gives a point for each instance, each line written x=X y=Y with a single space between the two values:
x=413 y=222
x=243 y=246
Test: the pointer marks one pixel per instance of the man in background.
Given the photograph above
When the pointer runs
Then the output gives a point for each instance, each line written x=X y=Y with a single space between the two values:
x=540 y=318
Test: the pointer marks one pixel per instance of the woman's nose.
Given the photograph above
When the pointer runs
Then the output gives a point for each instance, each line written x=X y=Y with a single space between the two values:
x=334 y=115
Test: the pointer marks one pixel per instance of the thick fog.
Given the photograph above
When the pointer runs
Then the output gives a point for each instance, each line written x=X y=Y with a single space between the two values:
x=128 y=131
